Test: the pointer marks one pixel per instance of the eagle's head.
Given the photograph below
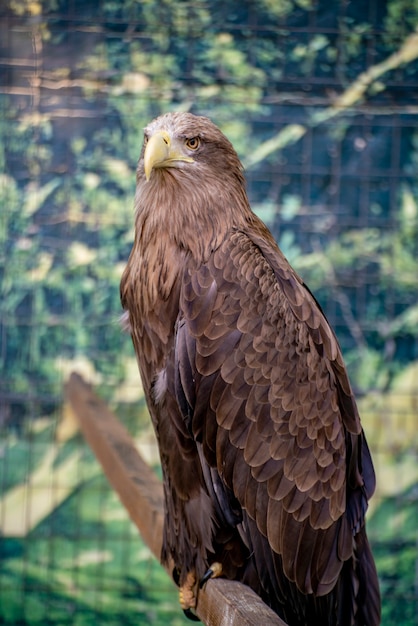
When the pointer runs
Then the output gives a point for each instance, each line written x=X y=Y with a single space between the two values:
x=190 y=183
x=188 y=143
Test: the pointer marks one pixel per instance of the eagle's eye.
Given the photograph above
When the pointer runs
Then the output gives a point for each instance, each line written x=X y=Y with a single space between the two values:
x=193 y=143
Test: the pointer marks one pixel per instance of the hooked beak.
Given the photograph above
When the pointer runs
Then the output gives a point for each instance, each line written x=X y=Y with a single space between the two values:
x=160 y=151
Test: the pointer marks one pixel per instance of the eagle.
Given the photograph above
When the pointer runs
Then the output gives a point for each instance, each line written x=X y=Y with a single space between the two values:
x=266 y=469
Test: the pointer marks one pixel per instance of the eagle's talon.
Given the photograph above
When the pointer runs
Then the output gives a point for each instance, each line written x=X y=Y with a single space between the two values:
x=208 y=574
x=176 y=576
x=214 y=571
x=190 y=615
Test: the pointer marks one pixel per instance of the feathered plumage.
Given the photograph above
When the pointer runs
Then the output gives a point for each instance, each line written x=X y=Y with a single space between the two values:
x=265 y=465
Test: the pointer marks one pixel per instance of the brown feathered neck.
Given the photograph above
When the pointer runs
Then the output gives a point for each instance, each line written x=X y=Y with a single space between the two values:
x=183 y=212
x=194 y=205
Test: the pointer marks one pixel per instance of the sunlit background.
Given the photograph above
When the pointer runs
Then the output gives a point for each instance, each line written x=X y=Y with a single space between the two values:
x=320 y=99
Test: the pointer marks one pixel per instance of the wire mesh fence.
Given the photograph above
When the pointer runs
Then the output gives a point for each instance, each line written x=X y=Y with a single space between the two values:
x=320 y=100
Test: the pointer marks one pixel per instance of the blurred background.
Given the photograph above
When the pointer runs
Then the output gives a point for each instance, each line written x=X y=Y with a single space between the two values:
x=320 y=99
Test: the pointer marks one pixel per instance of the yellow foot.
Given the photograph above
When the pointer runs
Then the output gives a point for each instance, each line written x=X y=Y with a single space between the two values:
x=187 y=596
x=187 y=592
x=214 y=571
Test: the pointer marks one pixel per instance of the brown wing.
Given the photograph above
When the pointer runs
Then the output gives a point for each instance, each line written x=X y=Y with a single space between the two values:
x=263 y=388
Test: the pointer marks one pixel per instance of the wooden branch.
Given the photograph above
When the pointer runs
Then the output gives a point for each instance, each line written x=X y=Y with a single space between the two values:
x=221 y=602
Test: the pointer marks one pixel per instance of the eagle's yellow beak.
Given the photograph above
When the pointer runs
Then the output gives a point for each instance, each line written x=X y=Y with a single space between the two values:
x=160 y=151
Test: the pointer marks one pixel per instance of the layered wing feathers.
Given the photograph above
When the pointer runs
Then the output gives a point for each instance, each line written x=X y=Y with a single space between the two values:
x=271 y=404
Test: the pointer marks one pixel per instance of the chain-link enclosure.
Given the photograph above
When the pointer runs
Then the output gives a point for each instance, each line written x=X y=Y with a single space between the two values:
x=320 y=100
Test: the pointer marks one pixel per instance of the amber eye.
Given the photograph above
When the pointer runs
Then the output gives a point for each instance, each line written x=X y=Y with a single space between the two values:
x=193 y=143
